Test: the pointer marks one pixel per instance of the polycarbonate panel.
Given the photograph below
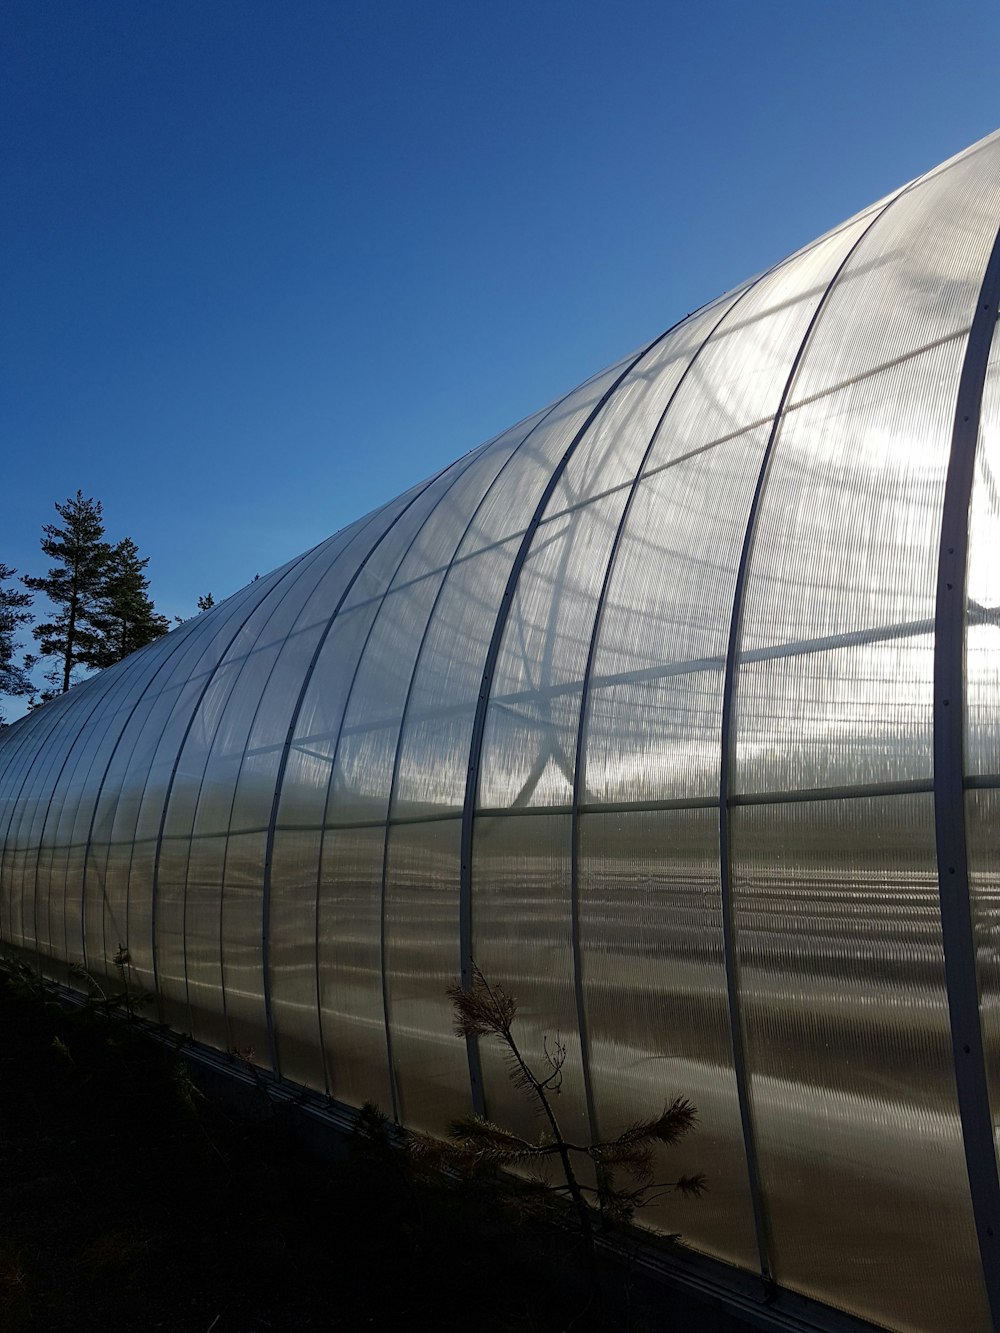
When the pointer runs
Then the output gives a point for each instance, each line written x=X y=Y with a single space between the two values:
x=429 y=1064
x=202 y=938
x=22 y=748
x=982 y=644
x=655 y=1001
x=914 y=278
x=368 y=743
x=295 y=857
x=982 y=809
x=318 y=726
x=838 y=931
x=654 y=703
x=522 y=940
x=529 y=744
x=610 y=453
x=352 y=1012
x=437 y=730
x=837 y=653
x=741 y=373
x=242 y=959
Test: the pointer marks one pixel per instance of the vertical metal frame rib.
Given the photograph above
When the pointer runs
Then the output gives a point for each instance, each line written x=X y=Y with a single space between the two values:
x=265 y=943
x=485 y=689
x=183 y=641
x=195 y=707
x=80 y=733
x=578 y=767
x=949 y=796
x=472 y=458
x=760 y=1214
x=397 y=756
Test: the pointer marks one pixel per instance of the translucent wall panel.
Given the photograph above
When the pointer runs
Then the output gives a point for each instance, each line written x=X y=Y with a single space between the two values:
x=364 y=758
x=522 y=938
x=429 y=1063
x=352 y=1012
x=654 y=704
x=610 y=454
x=21 y=751
x=330 y=675
x=915 y=277
x=654 y=989
x=842 y=986
x=655 y=695
x=837 y=662
x=529 y=747
x=434 y=749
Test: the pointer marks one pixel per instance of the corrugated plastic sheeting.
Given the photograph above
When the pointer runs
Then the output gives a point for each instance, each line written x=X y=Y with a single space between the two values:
x=654 y=990
x=838 y=932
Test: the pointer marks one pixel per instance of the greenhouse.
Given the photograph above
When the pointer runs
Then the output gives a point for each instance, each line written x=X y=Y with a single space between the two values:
x=675 y=707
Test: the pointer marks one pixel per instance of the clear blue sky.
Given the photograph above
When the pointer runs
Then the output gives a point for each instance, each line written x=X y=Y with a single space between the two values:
x=266 y=264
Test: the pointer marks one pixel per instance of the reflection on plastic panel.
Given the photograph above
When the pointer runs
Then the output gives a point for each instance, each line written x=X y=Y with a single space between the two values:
x=522 y=940
x=437 y=729
x=835 y=679
x=430 y=1066
x=654 y=990
x=654 y=710
x=915 y=277
x=838 y=933
x=366 y=744
x=242 y=967
x=740 y=375
x=982 y=648
x=350 y=967
x=610 y=453
x=529 y=747
x=292 y=932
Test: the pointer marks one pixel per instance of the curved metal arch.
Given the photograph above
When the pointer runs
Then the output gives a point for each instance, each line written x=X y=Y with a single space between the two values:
x=168 y=790
x=418 y=491
x=473 y=457
x=397 y=757
x=584 y=697
x=949 y=789
x=486 y=687
x=761 y=1219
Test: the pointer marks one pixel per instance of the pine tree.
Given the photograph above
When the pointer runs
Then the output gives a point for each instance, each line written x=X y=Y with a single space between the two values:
x=14 y=612
x=129 y=620
x=206 y=603
x=75 y=585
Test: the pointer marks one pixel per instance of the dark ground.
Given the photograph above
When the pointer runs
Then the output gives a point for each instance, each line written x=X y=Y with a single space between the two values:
x=130 y=1201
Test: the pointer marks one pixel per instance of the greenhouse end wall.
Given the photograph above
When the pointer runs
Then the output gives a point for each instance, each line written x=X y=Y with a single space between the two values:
x=676 y=707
